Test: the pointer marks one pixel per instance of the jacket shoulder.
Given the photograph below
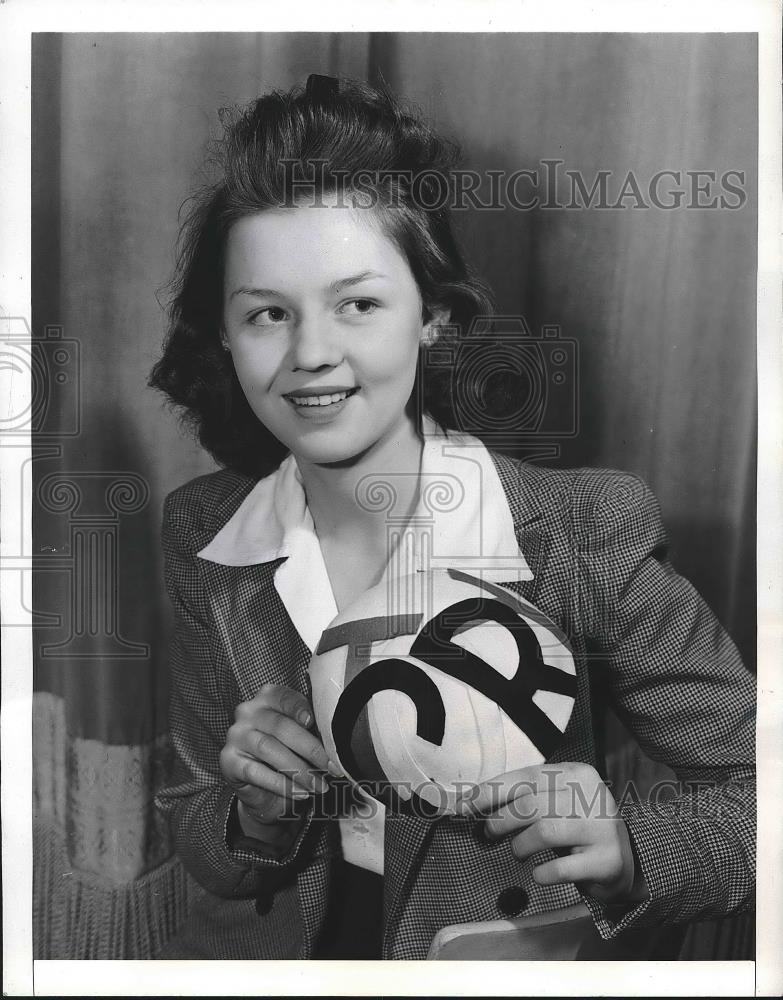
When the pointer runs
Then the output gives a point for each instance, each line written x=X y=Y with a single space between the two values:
x=198 y=509
x=587 y=495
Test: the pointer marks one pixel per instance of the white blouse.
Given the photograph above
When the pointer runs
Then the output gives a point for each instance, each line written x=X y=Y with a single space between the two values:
x=462 y=521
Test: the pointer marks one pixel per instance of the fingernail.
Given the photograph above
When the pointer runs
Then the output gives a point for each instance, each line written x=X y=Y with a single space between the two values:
x=305 y=718
x=321 y=785
x=335 y=769
x=300 y=793
x=481 y=834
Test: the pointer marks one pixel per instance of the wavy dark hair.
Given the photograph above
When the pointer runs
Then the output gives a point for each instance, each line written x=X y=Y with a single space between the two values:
x=357 y=139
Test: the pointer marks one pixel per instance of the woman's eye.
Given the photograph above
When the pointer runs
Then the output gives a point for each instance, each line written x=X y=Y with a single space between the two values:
x=270 y=316
x=359 y=307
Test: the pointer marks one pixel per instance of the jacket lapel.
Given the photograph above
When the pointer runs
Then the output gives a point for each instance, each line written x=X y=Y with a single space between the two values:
x=266 y=645
x=405 y=838
x=534 y=544
x=255 y=630
x=528 y=511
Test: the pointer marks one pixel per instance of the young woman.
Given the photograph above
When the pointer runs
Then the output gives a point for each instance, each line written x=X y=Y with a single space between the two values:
x=313 y=278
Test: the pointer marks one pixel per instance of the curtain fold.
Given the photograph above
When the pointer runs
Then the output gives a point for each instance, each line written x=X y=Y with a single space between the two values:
x=121 y=124
x=661 y=303
x=661 y=306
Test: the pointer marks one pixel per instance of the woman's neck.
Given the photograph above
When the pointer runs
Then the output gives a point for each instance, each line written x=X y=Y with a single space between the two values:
x=356 y=498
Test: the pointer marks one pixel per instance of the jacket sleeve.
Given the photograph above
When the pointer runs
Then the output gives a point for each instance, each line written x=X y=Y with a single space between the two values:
x=679 y=685
x=200 y=806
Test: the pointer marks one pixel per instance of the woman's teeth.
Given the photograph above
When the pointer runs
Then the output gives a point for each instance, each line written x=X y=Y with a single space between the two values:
x=335 y=397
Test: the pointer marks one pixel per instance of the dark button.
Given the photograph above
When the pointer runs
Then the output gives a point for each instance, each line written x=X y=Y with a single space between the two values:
x=264 y=904
x=512 y=901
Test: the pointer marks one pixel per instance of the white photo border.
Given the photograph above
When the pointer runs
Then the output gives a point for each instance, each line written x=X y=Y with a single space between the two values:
x=19 y=19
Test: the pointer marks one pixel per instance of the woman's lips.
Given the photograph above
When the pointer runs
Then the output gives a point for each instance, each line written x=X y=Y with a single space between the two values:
x=321 y=408
x=323 y=400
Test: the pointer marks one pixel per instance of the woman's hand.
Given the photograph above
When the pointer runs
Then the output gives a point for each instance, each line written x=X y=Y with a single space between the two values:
x=272 y=760
x=567 y=808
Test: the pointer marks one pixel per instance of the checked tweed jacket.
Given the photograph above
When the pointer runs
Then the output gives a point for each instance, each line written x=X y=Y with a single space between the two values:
x=597 y=548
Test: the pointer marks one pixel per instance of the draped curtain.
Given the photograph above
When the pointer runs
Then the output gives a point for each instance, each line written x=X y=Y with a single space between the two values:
x=659 y=303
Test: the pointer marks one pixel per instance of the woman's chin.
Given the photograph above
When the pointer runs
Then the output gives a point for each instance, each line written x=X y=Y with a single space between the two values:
x=336 y=454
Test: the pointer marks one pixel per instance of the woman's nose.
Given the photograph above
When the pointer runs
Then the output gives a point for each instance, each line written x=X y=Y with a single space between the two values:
x=316 y=344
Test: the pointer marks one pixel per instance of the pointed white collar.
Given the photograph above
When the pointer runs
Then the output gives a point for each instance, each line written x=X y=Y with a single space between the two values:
x=462 y=521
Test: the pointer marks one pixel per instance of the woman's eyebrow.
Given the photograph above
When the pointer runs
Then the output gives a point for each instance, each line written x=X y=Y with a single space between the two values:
x=335 y=287
x=258 y=293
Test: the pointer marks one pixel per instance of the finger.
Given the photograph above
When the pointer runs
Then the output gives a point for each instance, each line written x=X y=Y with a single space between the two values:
x=269 y=810
x=600 y=871
x=489 y=796
x=527 y=809
x=286 y=701
x=266 y=807
x=570 y=868
x=294 y=736
x=256 y=782
x=269 y=750
x=551 y=834
x=493 y=794
x=572 y=791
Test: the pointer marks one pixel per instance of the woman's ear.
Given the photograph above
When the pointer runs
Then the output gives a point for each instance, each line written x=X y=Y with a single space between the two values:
x=437 y=318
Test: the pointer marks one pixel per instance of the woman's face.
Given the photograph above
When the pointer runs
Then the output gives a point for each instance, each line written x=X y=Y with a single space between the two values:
x=323 y=319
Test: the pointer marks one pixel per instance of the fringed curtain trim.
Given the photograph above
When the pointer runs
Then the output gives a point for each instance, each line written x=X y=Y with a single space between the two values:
x=105 y=884
x=80 y=916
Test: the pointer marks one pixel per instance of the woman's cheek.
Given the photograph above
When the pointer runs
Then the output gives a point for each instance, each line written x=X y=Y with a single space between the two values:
x=257 y=392
x=394 y=354
x=257 y=370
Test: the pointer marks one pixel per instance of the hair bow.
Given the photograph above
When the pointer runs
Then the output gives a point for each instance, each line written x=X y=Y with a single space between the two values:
x=322 y=89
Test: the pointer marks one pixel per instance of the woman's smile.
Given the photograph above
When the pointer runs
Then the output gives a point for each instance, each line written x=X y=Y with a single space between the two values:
x=324 y=321
x=320 y=406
